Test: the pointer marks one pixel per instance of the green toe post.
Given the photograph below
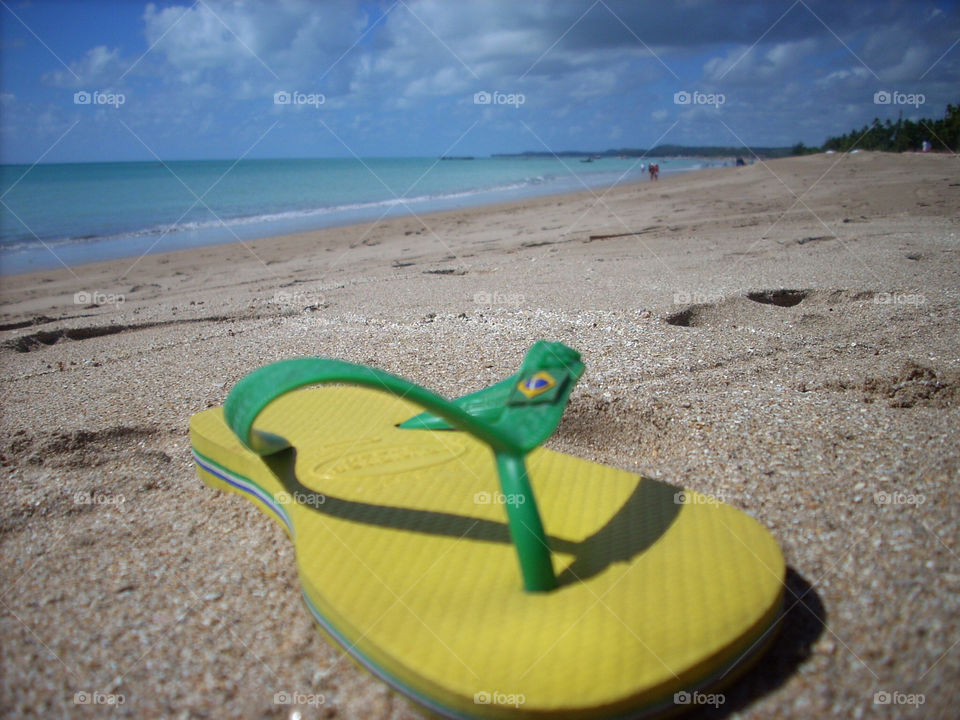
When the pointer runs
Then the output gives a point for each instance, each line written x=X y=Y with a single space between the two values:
x=526 y=530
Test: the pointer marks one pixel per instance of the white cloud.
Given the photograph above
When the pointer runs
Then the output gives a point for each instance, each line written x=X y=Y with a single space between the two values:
x=99 y=67
x=764 y=62
x=291 y=41
x=913 y=62
x=857 y=72
x=444 y=81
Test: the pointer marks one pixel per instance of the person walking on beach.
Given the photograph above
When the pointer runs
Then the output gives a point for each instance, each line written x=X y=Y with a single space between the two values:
x=654 y=171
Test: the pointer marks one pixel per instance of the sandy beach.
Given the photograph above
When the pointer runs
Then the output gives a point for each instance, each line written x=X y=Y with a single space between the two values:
x=785 y=336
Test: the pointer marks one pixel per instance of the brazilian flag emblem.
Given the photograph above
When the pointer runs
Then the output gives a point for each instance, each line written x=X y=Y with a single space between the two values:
x=540 y=386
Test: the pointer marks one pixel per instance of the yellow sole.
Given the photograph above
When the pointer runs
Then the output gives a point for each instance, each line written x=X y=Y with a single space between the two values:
x=405 y=560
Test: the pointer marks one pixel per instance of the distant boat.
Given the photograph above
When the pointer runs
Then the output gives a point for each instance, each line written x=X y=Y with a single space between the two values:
x=586 y=159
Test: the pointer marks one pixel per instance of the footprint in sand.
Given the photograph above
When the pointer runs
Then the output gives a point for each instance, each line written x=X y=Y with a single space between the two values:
x=701 y=314
x=780 y=298
x=75 y=467
x=45 y=338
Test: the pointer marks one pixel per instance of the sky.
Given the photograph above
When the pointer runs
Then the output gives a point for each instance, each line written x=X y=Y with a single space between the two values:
x=123 y=80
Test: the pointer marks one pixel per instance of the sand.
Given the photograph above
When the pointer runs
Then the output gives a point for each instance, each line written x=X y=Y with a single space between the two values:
x=829 y=412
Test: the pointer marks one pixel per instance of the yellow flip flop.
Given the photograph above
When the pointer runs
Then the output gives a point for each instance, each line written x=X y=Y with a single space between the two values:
x=631 y=594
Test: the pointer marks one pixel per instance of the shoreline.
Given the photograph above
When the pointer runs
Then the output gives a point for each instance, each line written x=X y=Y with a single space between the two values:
x=326 y=239
x=327 y=228
x=86 y=249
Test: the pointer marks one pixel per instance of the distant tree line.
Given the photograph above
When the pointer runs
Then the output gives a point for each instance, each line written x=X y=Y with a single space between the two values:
x=902 y=135
x=888 y=136
x=662 y=151
x=715 y=151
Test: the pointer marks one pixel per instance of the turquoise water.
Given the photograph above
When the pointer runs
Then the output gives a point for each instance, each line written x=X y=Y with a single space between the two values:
x=74 y=213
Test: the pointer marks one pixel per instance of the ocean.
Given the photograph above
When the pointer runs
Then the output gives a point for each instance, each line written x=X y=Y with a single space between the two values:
x=67 y=214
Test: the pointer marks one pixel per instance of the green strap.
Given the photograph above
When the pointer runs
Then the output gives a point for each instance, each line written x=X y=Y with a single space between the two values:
x=487 y=404
x=533 y=410
x=490 y=403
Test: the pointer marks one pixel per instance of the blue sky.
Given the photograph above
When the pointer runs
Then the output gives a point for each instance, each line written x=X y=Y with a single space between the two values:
x=199 y=80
